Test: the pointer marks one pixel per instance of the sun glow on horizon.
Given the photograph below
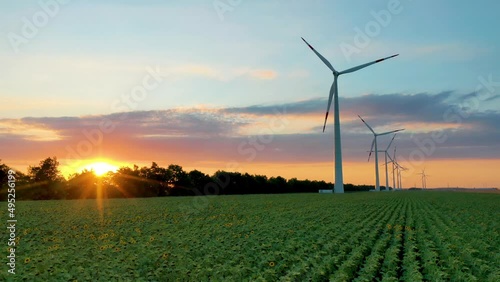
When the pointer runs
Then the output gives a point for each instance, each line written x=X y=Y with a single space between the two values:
x=100 y=167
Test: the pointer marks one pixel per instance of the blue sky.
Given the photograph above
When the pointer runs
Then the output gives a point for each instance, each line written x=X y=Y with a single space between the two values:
x=214 y=56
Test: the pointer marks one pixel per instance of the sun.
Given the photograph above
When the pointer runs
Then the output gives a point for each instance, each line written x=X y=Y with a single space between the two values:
x=100 y=168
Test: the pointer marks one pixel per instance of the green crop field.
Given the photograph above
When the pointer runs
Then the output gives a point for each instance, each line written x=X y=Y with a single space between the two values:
x=392 y=236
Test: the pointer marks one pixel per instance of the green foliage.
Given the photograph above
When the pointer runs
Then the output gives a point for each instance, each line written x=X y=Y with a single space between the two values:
x=397 y=236
x=46 y=181
x=22 y=181
x=46 y=172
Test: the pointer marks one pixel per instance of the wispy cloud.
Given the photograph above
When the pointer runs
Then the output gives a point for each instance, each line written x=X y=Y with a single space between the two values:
x=196 y=69
x=222 y=73
x=453 y=50
x=449 y=51
x=36 y=131
x=263 y=74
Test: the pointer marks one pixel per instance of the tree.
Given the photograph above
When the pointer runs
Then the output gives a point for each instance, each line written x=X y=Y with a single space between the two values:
x=260 y=184
x=226 y=181
x=47 y=180
x=178 y=178
x=47 y=171
x=4 y=172
x=277 y=185
x=199 y=181
x=156 y=178
x=128 y=181
x=21 y=181
x=82 y=185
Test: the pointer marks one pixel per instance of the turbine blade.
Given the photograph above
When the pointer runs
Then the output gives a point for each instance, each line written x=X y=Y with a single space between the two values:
x=371 y=149
x=367 y=64
x=332 y=91
x=369 y=127
x=389 y=156
x=327 y=63
x=389 y=132
x=390 y=143
x=394 y=155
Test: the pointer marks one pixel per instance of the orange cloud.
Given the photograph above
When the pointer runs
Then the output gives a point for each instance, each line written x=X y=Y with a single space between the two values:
x=263 y=74
x=33 y=132
x=202 y=70
x=221 y=73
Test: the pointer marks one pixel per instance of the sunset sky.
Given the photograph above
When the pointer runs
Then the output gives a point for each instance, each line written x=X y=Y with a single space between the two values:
x=230 y=85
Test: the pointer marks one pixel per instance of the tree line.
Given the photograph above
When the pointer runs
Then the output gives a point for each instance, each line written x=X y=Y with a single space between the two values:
x=45 y=182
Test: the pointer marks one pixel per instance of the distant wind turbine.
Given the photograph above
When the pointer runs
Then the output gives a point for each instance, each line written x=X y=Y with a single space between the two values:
x=394 y=171
x=339 y=179
x=424 y=179
x=374 y=142
x=401 y=169
x=386 y=155
x=394 y=167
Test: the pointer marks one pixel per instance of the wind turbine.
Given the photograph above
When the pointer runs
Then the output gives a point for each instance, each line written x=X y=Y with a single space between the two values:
x=395 y=172
x=400 y=182
x=424 y=179
x=386 y=155
x=396 y=176
x=334 y=93
x=400 y=169
x=393 y=176
x=374 y=142
x=394 y=167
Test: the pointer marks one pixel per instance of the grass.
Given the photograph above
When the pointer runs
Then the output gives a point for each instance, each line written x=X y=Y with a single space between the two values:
x=412 y=236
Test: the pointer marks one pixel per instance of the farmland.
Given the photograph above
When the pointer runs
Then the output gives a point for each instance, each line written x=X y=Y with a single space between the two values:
x=411 y=236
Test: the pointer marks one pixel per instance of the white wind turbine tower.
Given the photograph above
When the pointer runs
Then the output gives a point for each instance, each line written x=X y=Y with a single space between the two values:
x=400 y=181
x=393 y=176
x=395 y=167
x=339 y=180
x=386 y=155
x=396 y=172
x=374 y=142
x=424 y=179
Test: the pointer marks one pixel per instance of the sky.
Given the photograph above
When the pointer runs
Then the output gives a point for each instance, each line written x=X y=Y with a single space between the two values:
x=230 y=85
